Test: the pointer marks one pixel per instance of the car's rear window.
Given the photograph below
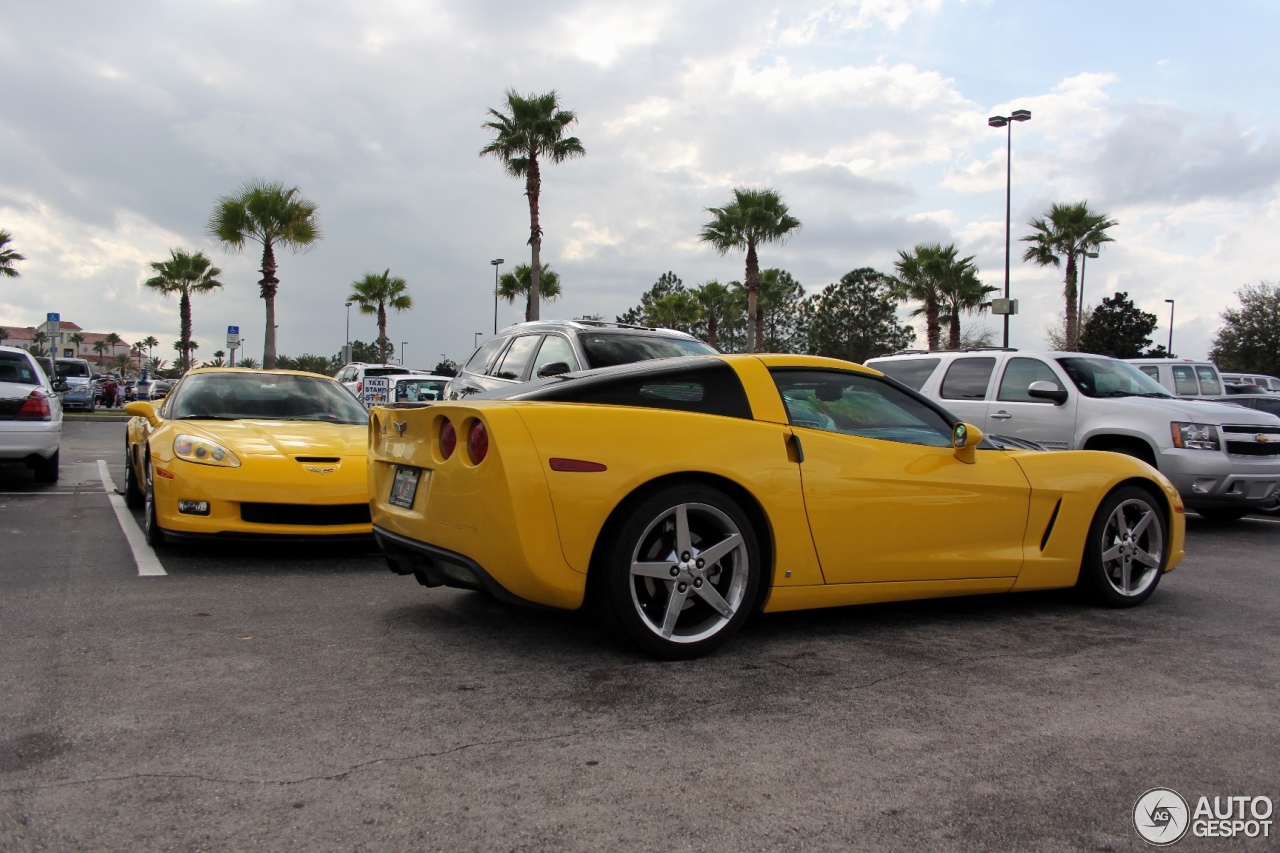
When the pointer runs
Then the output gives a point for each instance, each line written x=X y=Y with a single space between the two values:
x=385 y=371
x=912 y=372
x=607 y=350
x=17 y=368
x=712 y=389
x=967 y=378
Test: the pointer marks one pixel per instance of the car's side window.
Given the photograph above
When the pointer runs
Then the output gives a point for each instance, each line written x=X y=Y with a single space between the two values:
x=861 y=405
x=1019 y=373
x=1209 y=383
x=516 y=358
x=711 y=389
x=912 y=372
x=554 y=348
x=968 y=378
x=483 y=357
x=1151 y=370
x=1184 y=379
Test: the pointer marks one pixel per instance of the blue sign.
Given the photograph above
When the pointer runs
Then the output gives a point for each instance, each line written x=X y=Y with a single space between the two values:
x=53 y=318
x=233 y=330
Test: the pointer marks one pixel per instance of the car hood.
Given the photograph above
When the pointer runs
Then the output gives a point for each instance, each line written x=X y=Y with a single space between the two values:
x=1193 y=411
x=282 y=438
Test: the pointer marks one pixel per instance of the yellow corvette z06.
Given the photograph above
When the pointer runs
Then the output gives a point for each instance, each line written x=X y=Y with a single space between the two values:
x=237 y=453
x=678 y=496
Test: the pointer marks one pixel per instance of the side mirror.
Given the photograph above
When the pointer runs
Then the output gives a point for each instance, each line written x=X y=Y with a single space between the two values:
x=965 y=439
x=1042 y=389
x=143 y=410
x=60 y=386
x=555 y=368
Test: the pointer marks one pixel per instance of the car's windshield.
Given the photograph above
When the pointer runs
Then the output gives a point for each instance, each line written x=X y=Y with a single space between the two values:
x=1106 y=377
x=265 y=396
x=609 y=349
x=414 y=390
x=74 y=370
x=15 y=368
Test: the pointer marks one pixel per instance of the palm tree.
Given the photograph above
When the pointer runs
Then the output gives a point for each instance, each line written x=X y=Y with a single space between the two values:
x=249 y=363
x=184 y=274
x=155 y=365
x=919 y=280
x=754 y=216
x=519 y=282
x=1067 y=231
x=122 y=362
x=99 y=347
x=374 y=294
x=959 y=291
x=75 y=339
x=716 y=303
x=4 y=335
x=267 y=213
x=8 y=257
x=219 y=359
x=532 y=129
x=38 y=341
x=113 y=340
x=150 y=342
x=680 y=310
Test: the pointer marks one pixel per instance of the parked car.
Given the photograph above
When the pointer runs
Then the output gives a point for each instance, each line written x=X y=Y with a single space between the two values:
x=1224 y=460
x=417 y=388
x=678 y=496
x=73 y=371
x=160 y=388
x=1183 y=377
x=356 y=375
x=30 y=415
x=235 y=453
x=79 y=398
x=1265 y=381
x=546 y=348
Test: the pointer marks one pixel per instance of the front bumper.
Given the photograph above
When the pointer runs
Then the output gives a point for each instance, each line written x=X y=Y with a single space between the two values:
x=1212 y=479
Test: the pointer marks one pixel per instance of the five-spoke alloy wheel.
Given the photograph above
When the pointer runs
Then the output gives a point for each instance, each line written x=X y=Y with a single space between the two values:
x=134 y=498
x=155 y=536
x=1127 y=548
x=681 y=575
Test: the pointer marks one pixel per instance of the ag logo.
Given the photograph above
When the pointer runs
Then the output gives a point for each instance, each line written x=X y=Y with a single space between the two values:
x=1161 y=816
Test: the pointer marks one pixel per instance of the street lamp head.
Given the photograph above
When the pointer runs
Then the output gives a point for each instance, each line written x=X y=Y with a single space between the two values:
x=1170 y=301
x=348 y=304
x=497 y=261
x=1091 y=254
x=1020 y=115
x=997 y=121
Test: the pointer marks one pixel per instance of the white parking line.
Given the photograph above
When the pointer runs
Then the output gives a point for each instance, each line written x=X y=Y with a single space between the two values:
x=143 y=554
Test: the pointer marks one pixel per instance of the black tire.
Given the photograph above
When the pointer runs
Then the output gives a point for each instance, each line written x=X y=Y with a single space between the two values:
x=134 y=498
x=698 y=608
x=47 y=469
x=151 y=527
x=1220 y=514
x=1129 y=534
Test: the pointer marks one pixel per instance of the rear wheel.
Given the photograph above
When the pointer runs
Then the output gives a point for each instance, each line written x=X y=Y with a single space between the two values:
x=134 y=498
x=151 y=527
x=47 y=469
x=681 y=575
x=1126 y=549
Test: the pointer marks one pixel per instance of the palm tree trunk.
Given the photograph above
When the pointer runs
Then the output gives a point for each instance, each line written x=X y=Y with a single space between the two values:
x=713 y=324
x=382 y=332
x=268 y=286
x=954 y=328
x=533 y=188
x=755 y=323
x=932 y=328
x=1069 y=293
x=184 y=313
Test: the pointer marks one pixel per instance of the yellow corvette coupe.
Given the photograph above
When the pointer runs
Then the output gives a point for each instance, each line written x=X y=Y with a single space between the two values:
x=678 y=496
x=241 y=453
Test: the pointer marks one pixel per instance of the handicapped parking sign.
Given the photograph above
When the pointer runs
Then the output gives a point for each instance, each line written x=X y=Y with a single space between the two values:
x=376 y=391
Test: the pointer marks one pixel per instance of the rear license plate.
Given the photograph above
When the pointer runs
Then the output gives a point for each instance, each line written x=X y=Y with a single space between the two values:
x=404 y=486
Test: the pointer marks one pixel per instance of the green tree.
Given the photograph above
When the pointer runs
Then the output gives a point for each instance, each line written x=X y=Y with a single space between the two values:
x=960 y=291
x=1067 y=231
x=752 y=218
x=4 y=335
x=113 y=340
x=679 y=310
x=856 y=318
x=1249 y=339
x=121 y=363
x=38 y=340
x=720 y=310
x=778 y=310
x=532 y=130
x=75 y=339
x=8 y=257
x=184 y=273
x=667 y=283
x=1118 y=328
x=248 y=363
x=100 y=347
x=219 y=359
x=270 y=214
x=919 y=280
x=375 y=293
x=446 y=367
x=150 y=342
x=308 y=362
x=519 y=282
x=186 y=351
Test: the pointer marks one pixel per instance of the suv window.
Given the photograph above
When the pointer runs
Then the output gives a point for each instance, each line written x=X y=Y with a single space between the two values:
x=483 y=357
x=609 y=349
x=1209 y=383
x=516 y=358
x=967 y=378
x=1106 y=377
x=1184 y=380
x=855 y=404
x=1151 y=370
x=1019 y=373
x=912 y=372
x=554 y=348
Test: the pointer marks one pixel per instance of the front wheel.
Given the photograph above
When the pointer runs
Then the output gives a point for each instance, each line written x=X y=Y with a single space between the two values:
x=1126 y=548
x=681 y=575
x=134 y=498
x=151 y=527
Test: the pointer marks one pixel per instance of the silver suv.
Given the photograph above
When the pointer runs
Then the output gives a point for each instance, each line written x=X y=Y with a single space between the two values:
x=1224 y=459
x=539 y=349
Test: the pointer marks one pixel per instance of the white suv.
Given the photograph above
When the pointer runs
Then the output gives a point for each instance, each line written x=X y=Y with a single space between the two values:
x=1224 y=459
x=354 y=375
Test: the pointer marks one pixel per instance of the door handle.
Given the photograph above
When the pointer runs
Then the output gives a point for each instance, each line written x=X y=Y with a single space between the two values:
x=1001 y=416
x=795 y=451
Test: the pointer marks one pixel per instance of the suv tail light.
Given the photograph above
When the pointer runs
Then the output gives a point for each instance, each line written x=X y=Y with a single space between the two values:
x=359 y=386
x=448 y=440
x=477 y=443
x=35 y=408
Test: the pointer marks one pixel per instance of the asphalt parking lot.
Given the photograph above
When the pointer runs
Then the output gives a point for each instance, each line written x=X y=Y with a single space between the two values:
x=308 y=699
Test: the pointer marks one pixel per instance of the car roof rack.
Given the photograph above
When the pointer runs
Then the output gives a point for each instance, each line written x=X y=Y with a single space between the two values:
x=962 y=349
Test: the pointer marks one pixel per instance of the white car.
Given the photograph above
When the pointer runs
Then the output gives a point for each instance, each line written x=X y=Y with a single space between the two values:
x=417 y=388
x=356 y=376
x=30 y=415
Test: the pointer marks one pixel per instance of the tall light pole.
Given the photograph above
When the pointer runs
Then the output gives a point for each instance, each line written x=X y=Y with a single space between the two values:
x=1007 y=122
x=475 y=341
x=1080 y=310
x=403 y=344
x=1170 y=301
x=497 y=262
x=348 y=352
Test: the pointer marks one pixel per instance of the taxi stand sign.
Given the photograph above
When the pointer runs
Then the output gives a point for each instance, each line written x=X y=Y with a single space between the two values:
x=376 y=390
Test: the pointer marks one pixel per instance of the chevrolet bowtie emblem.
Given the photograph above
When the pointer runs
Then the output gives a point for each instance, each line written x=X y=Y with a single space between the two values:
x=1262 y=438
x=400 y=426
x=321 y=470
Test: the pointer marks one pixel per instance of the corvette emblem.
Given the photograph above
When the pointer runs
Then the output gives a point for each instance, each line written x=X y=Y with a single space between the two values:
x=321 y=470
x=400 y=426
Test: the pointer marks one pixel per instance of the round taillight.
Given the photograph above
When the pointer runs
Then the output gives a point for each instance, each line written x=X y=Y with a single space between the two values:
x=477 y=443
x=448 y=440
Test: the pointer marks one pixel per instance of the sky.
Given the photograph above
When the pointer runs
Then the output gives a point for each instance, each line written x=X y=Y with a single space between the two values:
x=124 y=123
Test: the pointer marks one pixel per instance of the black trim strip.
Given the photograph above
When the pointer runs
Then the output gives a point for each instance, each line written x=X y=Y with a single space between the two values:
x=1053 y=519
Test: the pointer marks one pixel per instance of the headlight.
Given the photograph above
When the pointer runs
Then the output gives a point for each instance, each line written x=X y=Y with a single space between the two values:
x=202 y=451
x=1195 y=436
